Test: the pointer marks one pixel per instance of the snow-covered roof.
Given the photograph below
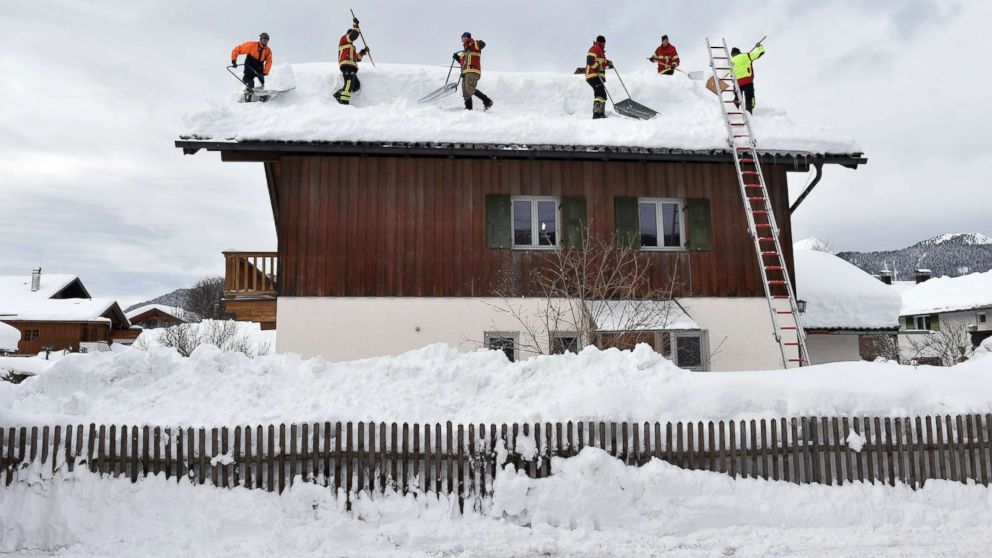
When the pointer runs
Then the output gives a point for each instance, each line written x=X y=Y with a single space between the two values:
x=948 y=294
x=20 y=285
x=174 y=311
x=531 y=109
x=812 y=243
x=56 y=310
x=637 y=315
x=838 y=295
x=10 y=336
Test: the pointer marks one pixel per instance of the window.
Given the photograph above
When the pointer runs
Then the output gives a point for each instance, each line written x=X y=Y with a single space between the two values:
x=502 y=341
x=982 y=318
x=660 y=224
x=922 y=322
x=689 y=350
x=31 y=335
x=535 y=222
x=562 y=343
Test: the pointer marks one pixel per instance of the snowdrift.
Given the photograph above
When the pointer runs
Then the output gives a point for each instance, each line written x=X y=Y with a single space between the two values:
x=841 y=296
x=948 y=294
x=531 y=109
x=439 y=383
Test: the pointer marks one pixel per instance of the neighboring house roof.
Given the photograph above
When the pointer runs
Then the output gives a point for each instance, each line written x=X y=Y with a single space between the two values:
x=10 y=336
x=638 y=315
x=948 y=294
x=536 y=112
x=51 y=285
x=63 y=310
x=839 y=296
x=174 y=311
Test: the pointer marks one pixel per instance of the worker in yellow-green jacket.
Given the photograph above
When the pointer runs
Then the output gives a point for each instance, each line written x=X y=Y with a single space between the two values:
x=744 y=72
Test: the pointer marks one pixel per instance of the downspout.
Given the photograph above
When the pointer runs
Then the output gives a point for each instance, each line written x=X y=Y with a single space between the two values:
x=816 y=180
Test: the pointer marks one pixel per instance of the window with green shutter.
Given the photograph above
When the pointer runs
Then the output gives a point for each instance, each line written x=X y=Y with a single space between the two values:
x=498 y=224
x=628 y=227
x=935 y=322
x=573 y=212
x=699 y=224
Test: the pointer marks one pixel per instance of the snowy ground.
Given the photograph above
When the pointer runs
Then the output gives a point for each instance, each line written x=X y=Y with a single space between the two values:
x=531 y=108
x=592 y=506
x=439 y=383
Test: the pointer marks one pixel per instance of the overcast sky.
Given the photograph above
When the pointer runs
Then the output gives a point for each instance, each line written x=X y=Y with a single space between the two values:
x=93 y=94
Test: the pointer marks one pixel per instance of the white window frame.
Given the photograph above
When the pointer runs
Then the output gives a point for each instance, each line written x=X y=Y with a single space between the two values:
x=982 y=318
x=927 y=323
x=703 y=350
x=658 y=216
x=534 y=224
x=488 y=336
x=555 y=335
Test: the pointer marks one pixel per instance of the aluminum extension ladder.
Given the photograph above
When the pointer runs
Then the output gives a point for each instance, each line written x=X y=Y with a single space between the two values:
x=761 y=223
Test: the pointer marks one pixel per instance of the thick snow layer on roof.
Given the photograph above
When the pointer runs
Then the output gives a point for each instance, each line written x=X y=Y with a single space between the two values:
x=640 y=315
x=174 y=311
x=838 y=295
x=948 y=294
x=20 y=285
x=439 y=383
x=10 y=336
x=57 y=310
x=812 y=243
x=530 y=109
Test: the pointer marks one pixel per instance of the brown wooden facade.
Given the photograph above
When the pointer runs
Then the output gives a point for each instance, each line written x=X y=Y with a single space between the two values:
x=416 y=226
x=35 y=335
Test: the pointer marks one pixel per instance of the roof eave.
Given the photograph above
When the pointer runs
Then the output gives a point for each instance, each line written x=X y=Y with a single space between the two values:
x=261 y=151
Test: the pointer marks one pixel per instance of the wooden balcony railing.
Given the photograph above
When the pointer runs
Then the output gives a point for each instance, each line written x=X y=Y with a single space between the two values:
x=250 y=274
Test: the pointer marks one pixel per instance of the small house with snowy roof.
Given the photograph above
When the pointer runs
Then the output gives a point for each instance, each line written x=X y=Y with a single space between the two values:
x=944 y=318
x=400 y=224
x=56 y=311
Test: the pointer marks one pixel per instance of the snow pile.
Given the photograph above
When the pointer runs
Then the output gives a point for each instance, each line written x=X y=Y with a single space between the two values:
x=838 y=295
x=10 y=336
x=812 y=243
x=593 y=505
x=531 y=109
x=227 y=335
x=948 y=294
x=439 y=383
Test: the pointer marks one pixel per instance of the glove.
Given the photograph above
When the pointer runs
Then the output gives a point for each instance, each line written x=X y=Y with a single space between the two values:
x=609 y=64
x=364 y=51
x=651 y=59
x=455 y=57
x=234 y=63
x=262 y=81
x=354 y=20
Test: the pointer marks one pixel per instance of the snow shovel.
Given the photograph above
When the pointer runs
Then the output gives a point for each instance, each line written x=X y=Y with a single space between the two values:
x=446 y=90
x=629 y=107
x=257 y=93
x=695 y=75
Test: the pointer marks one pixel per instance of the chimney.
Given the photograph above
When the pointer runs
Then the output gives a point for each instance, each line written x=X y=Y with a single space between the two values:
x=35 y=279
x=922 y=275
x=885 y=276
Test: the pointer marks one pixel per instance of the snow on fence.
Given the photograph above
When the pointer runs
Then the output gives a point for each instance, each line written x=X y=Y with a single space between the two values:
x=452 y=459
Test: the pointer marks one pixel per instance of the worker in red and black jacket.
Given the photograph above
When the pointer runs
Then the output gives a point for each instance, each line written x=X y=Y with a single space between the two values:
x=348 y=58
x=470 y=59
x=666 y=56
x=258 y=60
x=596 y=65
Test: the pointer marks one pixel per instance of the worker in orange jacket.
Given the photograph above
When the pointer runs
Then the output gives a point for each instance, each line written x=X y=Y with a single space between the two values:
x=666 y=56
x=258 y=61
x=470 y=59
x=348 y=58
x=596 y=65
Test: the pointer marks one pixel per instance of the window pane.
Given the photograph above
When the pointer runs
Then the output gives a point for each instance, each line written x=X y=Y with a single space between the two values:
x=546 y=226
x=690 y=351
x=562 y=345
x=521 y=223
x=649 y=223
x=670 y=217
x=504 y=344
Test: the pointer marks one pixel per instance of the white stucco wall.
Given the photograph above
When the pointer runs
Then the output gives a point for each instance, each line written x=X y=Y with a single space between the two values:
x=340 y=328
x=948 y=321
x=833 y=347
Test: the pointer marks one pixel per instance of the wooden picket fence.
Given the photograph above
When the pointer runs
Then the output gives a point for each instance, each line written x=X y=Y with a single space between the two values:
x=370 y=458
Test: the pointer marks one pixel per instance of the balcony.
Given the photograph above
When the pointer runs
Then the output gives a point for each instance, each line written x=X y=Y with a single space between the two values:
x=250 y=280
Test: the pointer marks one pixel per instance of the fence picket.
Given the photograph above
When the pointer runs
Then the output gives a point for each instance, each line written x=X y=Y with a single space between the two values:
x=439 y=454
x=361 y=457
x=932 y=448
x=337 y=457
x=982 y=459
x=971 y=447
x=962 y=461
x=56 y=442
x=733 y=449
x=461 y=467
x=349 y=457
x=763 y=445
x=449 y=443
x=305 y=452
x=919 y=452
x=404 y=457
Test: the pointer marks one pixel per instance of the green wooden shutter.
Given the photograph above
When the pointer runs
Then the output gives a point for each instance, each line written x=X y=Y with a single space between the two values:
x=499 y=232
x=910 y=323
x=573 y=216
x=628 y=225
x=698 y=224
x=935 y=322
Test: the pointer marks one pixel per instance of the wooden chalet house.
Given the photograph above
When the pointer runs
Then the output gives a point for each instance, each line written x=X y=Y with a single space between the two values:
x=385 y=246
x=56 y=311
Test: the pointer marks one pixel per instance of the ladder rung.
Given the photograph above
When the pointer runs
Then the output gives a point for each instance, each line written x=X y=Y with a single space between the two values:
x=784 y=312
x=774 y=268
x=763 y=226
x=752 y=185
x=788 y=327
x=769 y=253
x=750 y=173
x=738 y=123
x=776 y=282
x=756 y=199
x=797 y=360
x=741 y=135
x=726 y=79
x=791 y=344
x=720 y=58
x=721 y=68
x=780 y=297
x=743 y=147
x=759 y=212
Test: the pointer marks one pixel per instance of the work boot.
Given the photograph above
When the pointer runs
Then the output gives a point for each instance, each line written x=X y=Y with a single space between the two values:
x=487 y=104
x=468 y=103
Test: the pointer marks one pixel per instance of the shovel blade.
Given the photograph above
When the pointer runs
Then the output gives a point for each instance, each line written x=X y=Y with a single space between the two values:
x=441 y=93
x=633 y=109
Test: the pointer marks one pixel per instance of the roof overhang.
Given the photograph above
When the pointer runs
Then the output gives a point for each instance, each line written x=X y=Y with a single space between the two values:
x=263 y=151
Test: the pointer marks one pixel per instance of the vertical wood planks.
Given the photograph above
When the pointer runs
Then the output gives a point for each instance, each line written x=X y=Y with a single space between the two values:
x=982 y=457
